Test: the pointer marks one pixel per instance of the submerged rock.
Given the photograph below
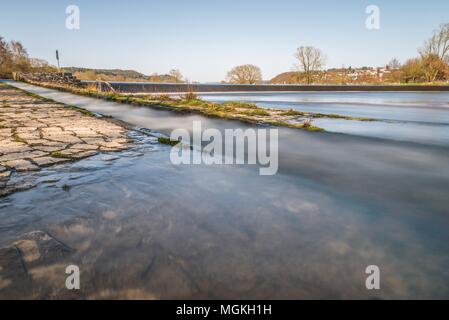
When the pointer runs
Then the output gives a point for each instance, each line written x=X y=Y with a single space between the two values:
x=39 y=247
x=37 y=260
x=12 y=268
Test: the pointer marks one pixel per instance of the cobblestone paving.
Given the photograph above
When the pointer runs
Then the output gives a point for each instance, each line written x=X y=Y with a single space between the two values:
x=36 y=132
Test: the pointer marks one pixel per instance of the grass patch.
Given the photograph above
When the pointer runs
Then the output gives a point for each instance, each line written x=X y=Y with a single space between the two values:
x=313 y=129
x=241 y=105
x=66 y=187
x=308 y=126
x=59 y=155
x=122 y=99
x=168 y=141
x=220 y=108
x=157 y=97
x=16 y=138
x=195 y=103
x=256 y=112
x=190 y=95
x=292 y=112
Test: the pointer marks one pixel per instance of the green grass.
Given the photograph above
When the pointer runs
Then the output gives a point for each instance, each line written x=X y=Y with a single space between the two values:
x=302 y=126
x=256 y=112
x=168 y=141
x=16 y=138
x=292 y=112
x=190 y=95
x=241 y=105
x=59 y=155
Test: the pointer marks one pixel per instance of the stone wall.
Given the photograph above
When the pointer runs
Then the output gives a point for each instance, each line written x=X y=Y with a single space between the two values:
x=56 y=78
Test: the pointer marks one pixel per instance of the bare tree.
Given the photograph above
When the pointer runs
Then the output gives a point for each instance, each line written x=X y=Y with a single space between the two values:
x=14 y=58
x=310 y=60
x=5 y=57
x=19 y=56
x=438 y=44
x=18 y=50
x=394 y=64
x=176 y=75
x=245 y=74
x=413 y=70
x=434 y=68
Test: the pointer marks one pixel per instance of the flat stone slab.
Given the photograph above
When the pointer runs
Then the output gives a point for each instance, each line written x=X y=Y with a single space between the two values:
x=36 y=133
x=5 y=174
x=21 y=165
x=48 y=161
x=84 y=154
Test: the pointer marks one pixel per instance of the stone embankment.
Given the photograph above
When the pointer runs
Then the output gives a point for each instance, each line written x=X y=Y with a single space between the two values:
x=35 y=133
x=56 y=78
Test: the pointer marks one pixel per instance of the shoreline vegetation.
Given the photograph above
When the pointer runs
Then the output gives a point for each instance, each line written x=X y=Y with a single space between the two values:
x=189 y=102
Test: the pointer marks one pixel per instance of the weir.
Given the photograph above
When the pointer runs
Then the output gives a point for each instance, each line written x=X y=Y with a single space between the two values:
x=145 y=87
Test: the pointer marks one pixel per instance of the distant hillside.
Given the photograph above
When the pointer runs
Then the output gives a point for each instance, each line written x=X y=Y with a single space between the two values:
x=117 y=75
x=285 y=78
x=113 y=73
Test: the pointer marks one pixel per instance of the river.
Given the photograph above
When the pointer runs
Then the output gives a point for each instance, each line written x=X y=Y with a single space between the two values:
x=340 y=202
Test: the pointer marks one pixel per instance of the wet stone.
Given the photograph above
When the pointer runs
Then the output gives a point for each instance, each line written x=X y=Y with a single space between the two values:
x=21 y=165
x=49 y=148
x=5 y=174
x=11 y=267
x=109 y=157
x=36 y=133
x=48 y=161
x=38 y=247
x=83 y=155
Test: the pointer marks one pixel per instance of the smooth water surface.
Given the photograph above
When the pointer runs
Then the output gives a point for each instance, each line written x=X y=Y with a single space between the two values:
x=421 y=117
x=142 y=227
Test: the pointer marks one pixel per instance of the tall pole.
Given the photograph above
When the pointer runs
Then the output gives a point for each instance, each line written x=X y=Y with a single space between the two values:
x=57 y=58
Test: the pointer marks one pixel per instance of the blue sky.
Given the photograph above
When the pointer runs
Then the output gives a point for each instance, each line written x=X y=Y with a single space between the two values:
x=206 y=38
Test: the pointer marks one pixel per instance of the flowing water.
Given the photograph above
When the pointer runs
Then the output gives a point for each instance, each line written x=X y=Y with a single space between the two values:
x=142 y=227
x=421 y=117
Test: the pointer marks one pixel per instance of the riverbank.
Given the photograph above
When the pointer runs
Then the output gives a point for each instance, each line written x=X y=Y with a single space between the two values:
x=38 y=132
x=189 y=102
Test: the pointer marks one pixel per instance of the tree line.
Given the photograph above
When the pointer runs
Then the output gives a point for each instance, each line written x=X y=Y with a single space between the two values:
x=432 y=65
x=14 y=58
